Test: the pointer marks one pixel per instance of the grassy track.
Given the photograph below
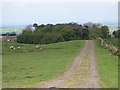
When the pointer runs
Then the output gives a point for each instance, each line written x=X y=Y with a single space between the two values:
x=107 y=65
x=28 y=66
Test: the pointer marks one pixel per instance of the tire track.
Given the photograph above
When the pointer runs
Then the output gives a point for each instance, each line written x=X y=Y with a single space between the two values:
x=91 y=79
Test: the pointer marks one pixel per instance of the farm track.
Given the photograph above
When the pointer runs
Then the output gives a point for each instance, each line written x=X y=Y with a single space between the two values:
x=81 y=74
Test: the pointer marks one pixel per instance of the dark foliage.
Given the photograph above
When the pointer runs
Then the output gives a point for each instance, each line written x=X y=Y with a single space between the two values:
x=45 y=34
x=116 y=34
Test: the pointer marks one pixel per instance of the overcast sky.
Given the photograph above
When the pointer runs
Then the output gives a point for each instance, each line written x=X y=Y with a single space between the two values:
x=25 y=13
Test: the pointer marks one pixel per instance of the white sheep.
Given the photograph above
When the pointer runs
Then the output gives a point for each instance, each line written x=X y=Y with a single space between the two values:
x=11 y=47
x=37 y=47
x=18 y=48
x=8 y=40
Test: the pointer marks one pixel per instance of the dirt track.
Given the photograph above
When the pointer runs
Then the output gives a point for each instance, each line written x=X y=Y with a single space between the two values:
x=81 y=74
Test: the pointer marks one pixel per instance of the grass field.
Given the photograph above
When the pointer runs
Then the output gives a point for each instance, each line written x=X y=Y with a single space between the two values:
x=107 y=65
x=29 y=66
x=115 y=42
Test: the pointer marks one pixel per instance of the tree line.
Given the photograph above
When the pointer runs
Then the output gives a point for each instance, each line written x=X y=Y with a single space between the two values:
x=45 y=34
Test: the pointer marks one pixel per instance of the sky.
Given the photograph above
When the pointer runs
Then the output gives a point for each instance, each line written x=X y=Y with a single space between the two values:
x=21 y=12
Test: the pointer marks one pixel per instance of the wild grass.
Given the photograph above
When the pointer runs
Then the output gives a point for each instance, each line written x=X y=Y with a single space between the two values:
x=30 y=66
x=107 y=65
x=115 y=42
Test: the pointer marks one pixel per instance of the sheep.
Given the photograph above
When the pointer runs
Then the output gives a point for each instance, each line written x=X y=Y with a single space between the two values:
x=8 y=40
x=18 y=48
x=37 y=47
x=11 y=47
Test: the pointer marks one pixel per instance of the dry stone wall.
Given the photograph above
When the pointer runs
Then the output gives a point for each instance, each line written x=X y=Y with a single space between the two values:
x=112 y=48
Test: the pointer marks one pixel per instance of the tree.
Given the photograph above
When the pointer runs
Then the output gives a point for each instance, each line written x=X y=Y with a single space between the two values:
x=77 y=32
x=104 y=32
x=85 y=34
x=44 y=34
x=28 y=28
x=116 y=34
x=35 y=25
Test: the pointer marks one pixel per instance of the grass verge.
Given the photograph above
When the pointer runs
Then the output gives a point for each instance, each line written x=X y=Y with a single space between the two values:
x=107 y=65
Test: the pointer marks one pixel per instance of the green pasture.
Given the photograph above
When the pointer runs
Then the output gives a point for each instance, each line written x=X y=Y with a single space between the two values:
x=29 y=66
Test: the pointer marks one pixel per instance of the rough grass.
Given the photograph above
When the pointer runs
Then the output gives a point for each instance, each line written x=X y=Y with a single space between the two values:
x=115 y=42
x=107 y=65
x=28 y=66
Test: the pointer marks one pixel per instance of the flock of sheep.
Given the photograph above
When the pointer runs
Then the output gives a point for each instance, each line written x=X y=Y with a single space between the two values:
x=12 y=47
x=110 y=47
x=18 y=48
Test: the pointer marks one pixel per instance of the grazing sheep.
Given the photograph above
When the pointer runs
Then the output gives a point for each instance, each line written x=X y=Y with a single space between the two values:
x=11 y=47
x=37 y=47
x=14 y=48
x=8 y=40
x=18 y=48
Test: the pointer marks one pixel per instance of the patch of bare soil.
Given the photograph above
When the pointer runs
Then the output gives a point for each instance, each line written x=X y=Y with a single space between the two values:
x=81 y=74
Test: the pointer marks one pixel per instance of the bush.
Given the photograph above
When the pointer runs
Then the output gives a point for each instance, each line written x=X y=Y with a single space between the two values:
x=40 y=38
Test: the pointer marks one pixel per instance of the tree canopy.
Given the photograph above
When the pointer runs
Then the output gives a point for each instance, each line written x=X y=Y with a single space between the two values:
x=45 y=34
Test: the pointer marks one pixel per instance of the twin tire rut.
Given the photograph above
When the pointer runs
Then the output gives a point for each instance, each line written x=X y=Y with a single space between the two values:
x=81 y=74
